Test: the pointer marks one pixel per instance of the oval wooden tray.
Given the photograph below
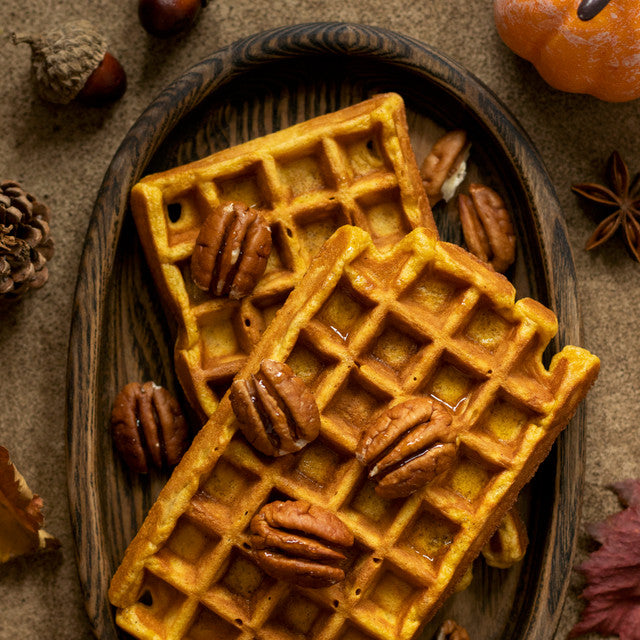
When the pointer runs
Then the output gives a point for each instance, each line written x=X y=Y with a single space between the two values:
x=120 y=333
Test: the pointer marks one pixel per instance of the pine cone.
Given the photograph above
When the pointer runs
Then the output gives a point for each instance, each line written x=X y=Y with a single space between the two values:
x=25 y=245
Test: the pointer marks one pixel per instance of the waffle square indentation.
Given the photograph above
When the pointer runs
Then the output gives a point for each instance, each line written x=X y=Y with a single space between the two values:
x=451 y=385
x=196 y=295
x=220 y=334
x=487 y=329
x=350 y=632
x=429 y=536
x=307 y=363
x=207 y=625
x=304 y=173
x=159 y=604
x=470 y=477
x=183 y=213
x=396 y=347
x=344 y=310
x=315 y=227
x=354 y=405
x=244 y=583
x=265 y=308
x=189 y=542
x=389 y=596
x=434 y=292
x=373 y=511
x=297 y=617
x=384 y=214
x=365 y=153
x=248 y=187
x=228 y=484
x=506 y=421
x=320 y=466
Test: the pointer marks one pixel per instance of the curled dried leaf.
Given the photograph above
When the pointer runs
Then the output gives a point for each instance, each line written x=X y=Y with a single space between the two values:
x=21 y=518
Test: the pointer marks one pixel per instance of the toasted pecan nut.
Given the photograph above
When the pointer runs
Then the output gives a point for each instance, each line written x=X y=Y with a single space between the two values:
x=487 y=227
x=408 y=446
x=300 y=543
x=451 y=630
x=231 y=251
x=509 y=542
x=444 y=167
x=148 y=427
x=276 y=410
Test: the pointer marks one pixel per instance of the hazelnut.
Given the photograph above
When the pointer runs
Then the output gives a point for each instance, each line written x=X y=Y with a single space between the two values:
x=164 y=18
x=106 y=84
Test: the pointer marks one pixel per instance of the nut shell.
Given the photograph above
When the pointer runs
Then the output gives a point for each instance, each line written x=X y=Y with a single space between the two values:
x=63 y=59
x=165 y=18
x=107 y=83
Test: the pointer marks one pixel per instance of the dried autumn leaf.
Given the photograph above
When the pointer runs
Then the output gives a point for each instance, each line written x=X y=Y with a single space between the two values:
x=613 y=571
x=21 y=518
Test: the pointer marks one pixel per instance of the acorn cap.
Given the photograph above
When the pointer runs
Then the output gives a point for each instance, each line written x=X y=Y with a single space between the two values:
x=63 y=59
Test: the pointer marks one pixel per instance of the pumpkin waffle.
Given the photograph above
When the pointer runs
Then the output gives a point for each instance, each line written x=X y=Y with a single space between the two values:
x=354 y=166
x=366 y=330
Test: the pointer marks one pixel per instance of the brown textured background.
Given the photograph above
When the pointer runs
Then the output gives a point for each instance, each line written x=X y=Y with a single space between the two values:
x=60 y=154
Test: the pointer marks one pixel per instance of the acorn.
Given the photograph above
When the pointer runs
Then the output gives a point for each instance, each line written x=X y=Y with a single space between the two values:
x=165 y=18
x=72 y=62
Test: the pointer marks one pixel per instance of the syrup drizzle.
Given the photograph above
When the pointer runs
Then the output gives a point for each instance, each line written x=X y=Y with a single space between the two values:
x=589 y=9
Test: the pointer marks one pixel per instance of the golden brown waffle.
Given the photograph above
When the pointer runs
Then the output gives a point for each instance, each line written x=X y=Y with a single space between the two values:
x=354 y=166
x=365 y=330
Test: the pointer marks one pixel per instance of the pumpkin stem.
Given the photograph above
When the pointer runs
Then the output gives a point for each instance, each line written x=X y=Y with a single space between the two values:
x=591 y=8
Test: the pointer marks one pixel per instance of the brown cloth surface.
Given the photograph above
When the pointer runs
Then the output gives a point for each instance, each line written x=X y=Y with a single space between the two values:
x=61 y=153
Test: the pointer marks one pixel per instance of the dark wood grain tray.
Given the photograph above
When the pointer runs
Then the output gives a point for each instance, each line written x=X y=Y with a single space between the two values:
x=120 y=332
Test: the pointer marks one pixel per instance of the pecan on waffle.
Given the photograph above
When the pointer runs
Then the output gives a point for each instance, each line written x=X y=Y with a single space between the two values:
x=354 y=166
x=367 y=331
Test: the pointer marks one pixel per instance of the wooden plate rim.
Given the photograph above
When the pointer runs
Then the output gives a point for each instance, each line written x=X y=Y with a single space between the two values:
x=134 y=153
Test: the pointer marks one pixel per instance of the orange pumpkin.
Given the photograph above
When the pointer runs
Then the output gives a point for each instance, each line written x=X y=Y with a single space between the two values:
x=580 y=46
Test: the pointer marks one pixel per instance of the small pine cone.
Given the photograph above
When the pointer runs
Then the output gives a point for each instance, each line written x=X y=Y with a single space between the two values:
x=25 y=245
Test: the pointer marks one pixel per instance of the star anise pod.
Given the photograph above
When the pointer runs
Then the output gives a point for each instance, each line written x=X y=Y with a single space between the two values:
x=624 y=196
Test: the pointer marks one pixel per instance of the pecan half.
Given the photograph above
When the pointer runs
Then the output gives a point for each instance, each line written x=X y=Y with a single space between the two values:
x=451 y=630
x=276 y=410
x=300 y=543
x=509 y=542
x=231 y=251
x=445 y=166
x=487 y=227
x=408 y=446
x=148 y=427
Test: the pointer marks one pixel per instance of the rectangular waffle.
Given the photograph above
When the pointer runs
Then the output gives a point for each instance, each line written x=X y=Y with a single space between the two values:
x=354 y=166
x=365 y=329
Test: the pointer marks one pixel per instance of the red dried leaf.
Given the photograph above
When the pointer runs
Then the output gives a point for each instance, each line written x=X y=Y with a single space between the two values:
x=612 y=571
